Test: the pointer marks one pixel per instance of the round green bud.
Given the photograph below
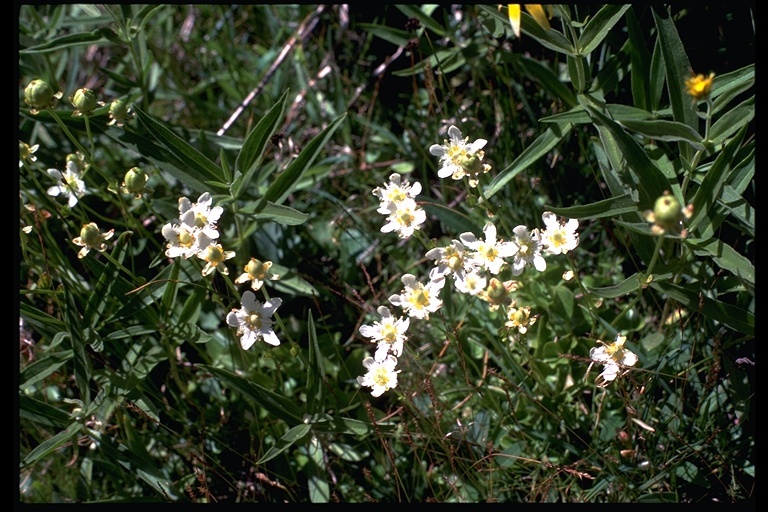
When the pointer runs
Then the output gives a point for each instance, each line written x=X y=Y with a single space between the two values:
x=472 y=164
x=667 y=209
x=118 y=109
x=38 y=94
x=90 y=235
x=135 y=179
x=257 y=268
x=84 y=100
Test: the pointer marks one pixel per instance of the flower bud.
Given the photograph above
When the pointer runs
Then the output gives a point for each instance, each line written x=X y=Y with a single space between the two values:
x=257 y=268
x=667 y=209
x=84 y=101
x=90 y=235
x=39 y=95
x=118 y=112
x=135 y=179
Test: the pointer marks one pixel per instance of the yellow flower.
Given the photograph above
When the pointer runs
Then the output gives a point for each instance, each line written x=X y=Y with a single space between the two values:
x=699 y=86
x=535 y=10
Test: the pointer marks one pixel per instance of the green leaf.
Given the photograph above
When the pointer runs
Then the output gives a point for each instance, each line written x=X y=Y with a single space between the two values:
x=709 y=191
x=629 y=285
x=286 y=180
x=610 y=207
x=315 y=386
x=50 y=445
x=548 y=79
x=678 y=68
x=725 y=256
x=338 y=425
x=640 y=63
x=197 y=164
x=279 y=213
x=732 y=121
x=317 y=472
x=598 y=27
x=540 y=147
x=617 y=112
x=277 y=405
x=730 y=85
x=453 y=219
x=649 y=180
x=98 y=36
x=293 y=435
x=727 y=314
x=252 y=152
x=43 y=367
x=396 y=36
x=666 y=130
x=41 y=413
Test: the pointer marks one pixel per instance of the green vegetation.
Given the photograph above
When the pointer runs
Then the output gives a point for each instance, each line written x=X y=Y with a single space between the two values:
x=168 y=152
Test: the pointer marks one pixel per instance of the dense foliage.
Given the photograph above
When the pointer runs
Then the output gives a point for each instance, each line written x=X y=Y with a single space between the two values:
x=616 y=142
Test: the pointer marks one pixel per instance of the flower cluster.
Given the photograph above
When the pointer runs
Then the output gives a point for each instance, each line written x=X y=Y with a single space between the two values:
x=194 y=233
x=397 y=200
x=473 y=263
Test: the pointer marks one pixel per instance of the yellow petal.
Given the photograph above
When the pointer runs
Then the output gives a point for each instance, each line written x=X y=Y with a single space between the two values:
x=514 y=18
x=537 y=11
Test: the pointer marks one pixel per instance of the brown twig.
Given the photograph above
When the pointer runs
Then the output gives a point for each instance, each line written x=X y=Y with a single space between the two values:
x=304 y=29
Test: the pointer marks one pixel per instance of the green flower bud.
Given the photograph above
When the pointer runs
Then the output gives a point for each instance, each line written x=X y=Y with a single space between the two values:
x=118 y=112
x=79 y=160
x=257 y=268
x=84 y=101
x=90 y=235
x=40 y=95
x=667 y=209
x=472 y=164
x=135 y=179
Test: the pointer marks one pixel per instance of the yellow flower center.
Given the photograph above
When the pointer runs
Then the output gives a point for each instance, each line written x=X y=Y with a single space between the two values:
x=419 y=299
x=254 y=320
x=381 y=377
x=389 y=333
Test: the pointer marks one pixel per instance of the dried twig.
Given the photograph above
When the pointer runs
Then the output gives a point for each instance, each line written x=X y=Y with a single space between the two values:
x=304 y=29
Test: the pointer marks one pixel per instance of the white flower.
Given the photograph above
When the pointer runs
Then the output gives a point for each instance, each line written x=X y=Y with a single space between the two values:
x=254 y=320
x=201 y=215
x=449 y=260
x=529 y=250
x=613 y=356
x=70 y=184
x=418 y=299
x=404 y=217
x=215 y=255
x=559 y=237
x=472 y=282
x=381 y=375
x=256 y=272
x=489 y=253
x=184 y=240
x=396 y=191
x=389 y=333
x=26 y=153
x=455 y=153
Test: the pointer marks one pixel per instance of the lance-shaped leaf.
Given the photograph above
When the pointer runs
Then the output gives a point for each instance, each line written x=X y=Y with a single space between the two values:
x=733 y=316
x=286 y=180
x=650 y=180
x=598 y=27
x=640 y=63
x=197 y=164
x=629 y=285
x=611 y=207
x=678 y=69
x=99 y=36
x=315 y=372
x=540 y=147
x=50 y=445
x=725 y=256
x=288 y=439
x=732 y=121
x=317 y=472
x=276 y=212
x=41 y=413
x=275 y=404
x=43 y=367
x=549 y=81
x=252 y=152
x=711 y=186
x=617 y=111
x=660 y=129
